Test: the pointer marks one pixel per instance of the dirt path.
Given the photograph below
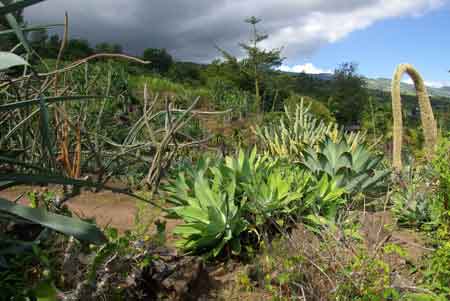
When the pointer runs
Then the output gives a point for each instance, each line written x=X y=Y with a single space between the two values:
x=107 y=208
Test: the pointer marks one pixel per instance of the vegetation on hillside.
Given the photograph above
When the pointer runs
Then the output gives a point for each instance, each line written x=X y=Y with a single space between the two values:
x=249 y=183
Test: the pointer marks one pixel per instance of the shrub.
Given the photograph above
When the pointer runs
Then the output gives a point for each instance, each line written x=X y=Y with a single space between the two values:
x=317 y=108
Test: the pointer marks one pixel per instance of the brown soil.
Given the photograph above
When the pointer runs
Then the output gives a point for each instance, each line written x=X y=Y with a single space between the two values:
x=378 y=230
x=107 y=208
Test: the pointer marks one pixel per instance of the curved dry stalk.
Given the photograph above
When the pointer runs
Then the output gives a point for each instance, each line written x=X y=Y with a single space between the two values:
x=426 y=112
x=62 y=47
x=77 y=64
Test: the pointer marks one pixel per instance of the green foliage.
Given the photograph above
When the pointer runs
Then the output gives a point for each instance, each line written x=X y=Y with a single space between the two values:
x=275 y=196
x=108 y=48
x=372 y=284
x=160 y=60
x=323 y=200
x=423 y=297
x=28 y=275
x=212 y=219
x=21 y=214
x=293 y=134
x=267 y=195
x=225 y=96
x=414 y=204
x=210 y=198
x=349 y=95
x=441 y=165
x=257 y=64
x=437 y=274
x=78 y=49
x=420 y=200
x=316 y=108
x=352 y=165
x=68 y=226
x=185 y=72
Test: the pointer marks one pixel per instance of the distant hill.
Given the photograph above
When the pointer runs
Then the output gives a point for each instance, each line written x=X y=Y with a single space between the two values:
x=384 y=84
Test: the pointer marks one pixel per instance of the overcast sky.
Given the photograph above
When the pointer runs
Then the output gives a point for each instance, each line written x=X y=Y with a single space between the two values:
x=189 y=29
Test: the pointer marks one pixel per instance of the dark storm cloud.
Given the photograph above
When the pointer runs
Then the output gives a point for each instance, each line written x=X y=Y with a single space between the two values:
x=189 y=29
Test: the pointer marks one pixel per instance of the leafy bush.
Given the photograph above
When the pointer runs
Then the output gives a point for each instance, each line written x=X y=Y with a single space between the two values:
x=317 y=108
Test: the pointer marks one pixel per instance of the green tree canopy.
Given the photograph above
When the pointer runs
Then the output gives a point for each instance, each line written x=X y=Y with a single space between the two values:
x=349 y=96
x=108 y=48
x=77 y=49
x=160 y=60
x=258 y=62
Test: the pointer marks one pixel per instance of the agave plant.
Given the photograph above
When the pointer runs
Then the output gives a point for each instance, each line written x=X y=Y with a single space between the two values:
x=414 y=203
x=353 y=167
x=219 y=201
x=247 y=165
x=241 y=169
x=185 y=179
x=293 y=134
x=276 y=196
x=211 y=218
x=323 y=198
x=299 y=130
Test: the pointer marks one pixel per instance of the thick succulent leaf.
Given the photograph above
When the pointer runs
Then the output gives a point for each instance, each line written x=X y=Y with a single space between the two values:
x=9 y=60
x=12 y=247
x=217 y=221
x=236 y=247
x=66 y=225
x=191 y=214
x=29 y=29
x=187 y=230
x=378 y=177
x=7 y=184
x=203 y=194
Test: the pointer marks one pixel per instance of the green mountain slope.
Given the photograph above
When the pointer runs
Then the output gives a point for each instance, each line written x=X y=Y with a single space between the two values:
x=384 y=84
